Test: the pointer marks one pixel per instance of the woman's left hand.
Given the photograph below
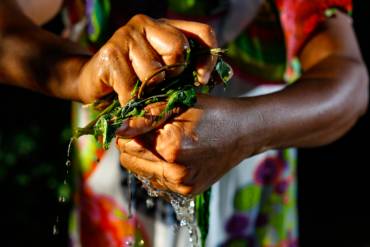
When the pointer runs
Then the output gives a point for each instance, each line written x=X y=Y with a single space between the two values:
x=188 y=153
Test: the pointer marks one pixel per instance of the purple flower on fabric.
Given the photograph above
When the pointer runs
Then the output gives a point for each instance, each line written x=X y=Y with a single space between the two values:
x=269 y=170
x=281 y=186
x=292 y=241
x=237 y=224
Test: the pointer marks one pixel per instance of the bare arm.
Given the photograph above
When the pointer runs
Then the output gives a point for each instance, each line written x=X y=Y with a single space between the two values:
x=327 y=100
x=38 y=60
x=35 y=59
x=218 y=133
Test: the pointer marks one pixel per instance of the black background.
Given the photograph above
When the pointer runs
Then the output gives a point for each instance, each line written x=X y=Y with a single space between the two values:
x=334 y=182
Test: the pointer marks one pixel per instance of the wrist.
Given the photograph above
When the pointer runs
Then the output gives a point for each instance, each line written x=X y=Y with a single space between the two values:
x=253 y=131
x=66 y=82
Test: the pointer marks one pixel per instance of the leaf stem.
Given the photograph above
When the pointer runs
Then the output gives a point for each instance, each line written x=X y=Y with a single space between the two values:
x=89 y=127
x=164 y=68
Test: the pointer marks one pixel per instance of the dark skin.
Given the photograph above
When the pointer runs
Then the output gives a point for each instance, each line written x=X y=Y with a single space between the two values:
x=195 y=149
x=38 y=60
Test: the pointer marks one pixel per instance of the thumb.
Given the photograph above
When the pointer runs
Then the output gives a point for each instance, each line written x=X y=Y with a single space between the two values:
x=154 y=117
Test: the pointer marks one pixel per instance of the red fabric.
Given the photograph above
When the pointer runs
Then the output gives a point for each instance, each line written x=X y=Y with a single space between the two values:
x=300 y=18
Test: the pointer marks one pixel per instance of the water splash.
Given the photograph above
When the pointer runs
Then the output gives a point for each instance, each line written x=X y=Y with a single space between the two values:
x=149 y=202
x=183 y=206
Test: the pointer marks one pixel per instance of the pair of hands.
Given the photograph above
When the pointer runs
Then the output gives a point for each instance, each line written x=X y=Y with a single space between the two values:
x=191 y=151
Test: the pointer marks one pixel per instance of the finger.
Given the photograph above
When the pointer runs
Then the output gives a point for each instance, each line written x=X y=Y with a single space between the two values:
x=163 y=175
x=142 y=167
x=203 y=34
x=154 y=117
x=172 y=173
x=136 y=147
x=169 y=43
x=146 y=62
x=115 y=70
x=124 y=80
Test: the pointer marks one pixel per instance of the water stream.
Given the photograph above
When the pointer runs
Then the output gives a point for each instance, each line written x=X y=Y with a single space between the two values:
x=62 y=198
x=183 y=206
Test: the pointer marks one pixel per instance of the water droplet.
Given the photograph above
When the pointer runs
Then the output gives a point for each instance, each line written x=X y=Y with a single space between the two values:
x=149 y=203
x=55 y=230
x=183 y=206
x=56 y=226
x=62 y=199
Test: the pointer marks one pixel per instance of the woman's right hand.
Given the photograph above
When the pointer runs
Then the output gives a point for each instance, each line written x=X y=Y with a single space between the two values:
x=137 y=50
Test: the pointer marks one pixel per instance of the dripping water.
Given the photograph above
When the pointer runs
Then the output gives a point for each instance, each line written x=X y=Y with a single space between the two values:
x=130 y=194
x=62 y=198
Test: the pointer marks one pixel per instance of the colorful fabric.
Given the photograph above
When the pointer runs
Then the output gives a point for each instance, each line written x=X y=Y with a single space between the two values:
x=97 y=12
x=299 y=19
x=254 y=204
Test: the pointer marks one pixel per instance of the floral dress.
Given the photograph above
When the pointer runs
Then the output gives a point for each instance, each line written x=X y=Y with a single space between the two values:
x=254 y=204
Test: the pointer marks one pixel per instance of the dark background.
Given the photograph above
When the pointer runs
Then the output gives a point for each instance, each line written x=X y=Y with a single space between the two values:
x=333 y=180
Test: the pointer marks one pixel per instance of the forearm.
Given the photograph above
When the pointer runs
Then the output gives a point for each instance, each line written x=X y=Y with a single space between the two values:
x=316 y=110
x=322 y=105
x=35 y=59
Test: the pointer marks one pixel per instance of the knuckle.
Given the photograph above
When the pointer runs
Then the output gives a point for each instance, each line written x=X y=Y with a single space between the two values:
x=140 y=18
x=109 y=52
x=209 y=34
x=178 y=46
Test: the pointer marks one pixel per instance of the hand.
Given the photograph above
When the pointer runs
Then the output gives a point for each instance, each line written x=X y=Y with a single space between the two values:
x=188 y=153
x=137 y=50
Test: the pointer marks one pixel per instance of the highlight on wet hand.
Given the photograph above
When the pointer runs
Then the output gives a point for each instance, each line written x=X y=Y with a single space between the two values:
x=138 y=50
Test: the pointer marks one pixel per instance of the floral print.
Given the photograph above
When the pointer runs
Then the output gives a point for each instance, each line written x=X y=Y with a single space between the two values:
x=254 y=204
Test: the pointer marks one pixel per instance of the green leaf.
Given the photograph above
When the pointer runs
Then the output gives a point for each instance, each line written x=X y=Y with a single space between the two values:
x=224 y=70
x=100 y=128
x=134 y=112
x=177 y=91
x=202 y=202
x=106 y=131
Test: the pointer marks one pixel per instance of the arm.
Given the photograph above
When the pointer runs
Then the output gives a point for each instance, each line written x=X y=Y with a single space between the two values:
x=327 y=100
x=38 y=60
x=218 y=133
x=35 y=59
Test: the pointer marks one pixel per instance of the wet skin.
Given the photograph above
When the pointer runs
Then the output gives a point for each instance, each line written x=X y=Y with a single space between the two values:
x=198 y=146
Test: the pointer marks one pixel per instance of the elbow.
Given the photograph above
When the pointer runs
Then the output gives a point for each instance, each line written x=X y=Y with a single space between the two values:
x=351 y=103
x=363 y=90
x=346 y=102
x=356 y=88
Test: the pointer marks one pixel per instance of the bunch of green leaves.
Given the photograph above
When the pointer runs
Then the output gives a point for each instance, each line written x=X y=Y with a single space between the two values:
x=178 y=91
